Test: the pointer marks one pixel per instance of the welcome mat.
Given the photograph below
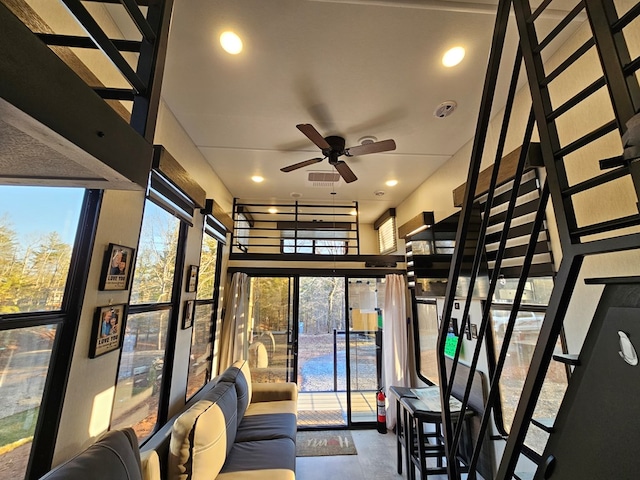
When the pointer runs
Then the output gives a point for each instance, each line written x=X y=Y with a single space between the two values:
x=324 y=443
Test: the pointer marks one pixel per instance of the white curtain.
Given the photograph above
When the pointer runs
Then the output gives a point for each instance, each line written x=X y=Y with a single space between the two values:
x=394 y=340
x=235 y=324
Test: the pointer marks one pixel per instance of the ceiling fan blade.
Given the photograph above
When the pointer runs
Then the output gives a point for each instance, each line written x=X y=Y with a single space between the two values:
x=345 y=172
x=383 y=146
x=313 y=135
x=296 y=166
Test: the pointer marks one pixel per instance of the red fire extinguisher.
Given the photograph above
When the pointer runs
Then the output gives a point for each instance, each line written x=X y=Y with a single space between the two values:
x=382 y=413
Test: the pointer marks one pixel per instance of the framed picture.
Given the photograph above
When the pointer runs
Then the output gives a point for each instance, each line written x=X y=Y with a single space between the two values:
x=116 y=267
x=474 y=330
x=192 y=278
x=187 y=314
x=106 y=334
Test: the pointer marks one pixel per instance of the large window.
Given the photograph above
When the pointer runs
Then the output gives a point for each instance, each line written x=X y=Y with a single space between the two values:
x=37 y=230
x=202 y=333
x=147 y=327
x=520 y=352
x=38 y=227
x=426 y=333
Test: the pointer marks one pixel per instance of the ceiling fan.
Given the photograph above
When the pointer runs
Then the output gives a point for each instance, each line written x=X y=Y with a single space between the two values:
x=333 y=147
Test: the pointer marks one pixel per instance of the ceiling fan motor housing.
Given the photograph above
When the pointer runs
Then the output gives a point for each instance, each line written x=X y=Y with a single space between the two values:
x=337 y=148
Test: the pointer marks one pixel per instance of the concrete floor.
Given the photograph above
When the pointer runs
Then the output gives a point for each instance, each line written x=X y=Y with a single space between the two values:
x=376 y=459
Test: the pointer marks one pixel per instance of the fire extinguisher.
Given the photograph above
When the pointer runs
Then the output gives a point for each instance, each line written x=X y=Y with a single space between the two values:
x=382 y=414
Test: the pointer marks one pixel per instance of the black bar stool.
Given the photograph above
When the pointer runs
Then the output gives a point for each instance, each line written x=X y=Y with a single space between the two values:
x=420 y=445
x=401 y=422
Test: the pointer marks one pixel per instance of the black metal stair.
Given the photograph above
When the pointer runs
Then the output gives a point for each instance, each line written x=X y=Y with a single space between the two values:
x=578 y=238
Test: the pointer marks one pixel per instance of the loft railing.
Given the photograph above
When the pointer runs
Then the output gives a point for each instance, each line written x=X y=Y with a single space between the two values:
x=296 y=229
x=135 y=44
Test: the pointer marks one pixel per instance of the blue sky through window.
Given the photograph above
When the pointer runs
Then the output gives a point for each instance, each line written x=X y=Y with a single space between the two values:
x=36 y=211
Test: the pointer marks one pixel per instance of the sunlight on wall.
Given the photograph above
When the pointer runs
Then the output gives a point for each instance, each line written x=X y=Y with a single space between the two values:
x=101 y=412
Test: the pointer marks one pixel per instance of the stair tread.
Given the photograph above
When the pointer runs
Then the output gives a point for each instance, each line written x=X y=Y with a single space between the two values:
x=568 y=358
x=545 y=424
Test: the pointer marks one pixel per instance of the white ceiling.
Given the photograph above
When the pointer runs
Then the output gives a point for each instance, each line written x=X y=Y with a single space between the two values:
x=351 y=68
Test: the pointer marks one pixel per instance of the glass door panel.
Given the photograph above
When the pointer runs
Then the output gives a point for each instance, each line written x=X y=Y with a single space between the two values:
x=271 y=335
x=366 y=300
x=322 y=370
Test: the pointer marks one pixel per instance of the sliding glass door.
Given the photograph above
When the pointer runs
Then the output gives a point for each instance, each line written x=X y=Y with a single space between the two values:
x=321 y=333
x=272 y=336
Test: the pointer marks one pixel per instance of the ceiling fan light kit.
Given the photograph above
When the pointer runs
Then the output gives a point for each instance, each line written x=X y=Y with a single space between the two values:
x=333 y=147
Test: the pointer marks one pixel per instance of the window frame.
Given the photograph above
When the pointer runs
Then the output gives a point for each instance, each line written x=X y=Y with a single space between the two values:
x=296 y=247
x=492 y=355
x=68 y=317
x=166 y=202
x=214 y=301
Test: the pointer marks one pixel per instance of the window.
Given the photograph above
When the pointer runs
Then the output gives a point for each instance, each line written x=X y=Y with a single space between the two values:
x=38 y=229
x=519 y=354
x=138 y=389
x=386 y=227
x=202 y=333
x=426 y=329
x=241 y=233
x=314 y=246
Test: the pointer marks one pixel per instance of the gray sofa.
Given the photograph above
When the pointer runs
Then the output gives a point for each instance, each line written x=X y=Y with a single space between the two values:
x=115 y=455
x=233 y=429
x=239 y=431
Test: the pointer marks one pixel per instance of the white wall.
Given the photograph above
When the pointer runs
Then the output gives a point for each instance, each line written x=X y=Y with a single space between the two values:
x=87 y=410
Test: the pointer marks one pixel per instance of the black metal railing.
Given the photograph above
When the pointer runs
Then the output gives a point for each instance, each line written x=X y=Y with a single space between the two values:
x=297 y=229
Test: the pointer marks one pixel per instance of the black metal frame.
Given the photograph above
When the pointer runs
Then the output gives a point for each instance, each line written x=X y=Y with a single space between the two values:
x=213 y=301
x=625 y=95
x=624 y=92
x=300 y=222
x=45 y=435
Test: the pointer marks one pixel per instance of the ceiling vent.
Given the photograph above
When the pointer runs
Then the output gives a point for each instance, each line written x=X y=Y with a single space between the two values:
x=326 y=178
x=445 y=109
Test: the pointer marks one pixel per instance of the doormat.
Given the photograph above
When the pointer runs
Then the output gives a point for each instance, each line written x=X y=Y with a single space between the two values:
x=318 y=418
x=324 y=443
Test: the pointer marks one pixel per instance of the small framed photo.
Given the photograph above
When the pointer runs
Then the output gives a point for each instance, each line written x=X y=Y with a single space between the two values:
x=187 y=314
x=106 y=334
x=116 y=267
x=192 y=278
x=474 y=330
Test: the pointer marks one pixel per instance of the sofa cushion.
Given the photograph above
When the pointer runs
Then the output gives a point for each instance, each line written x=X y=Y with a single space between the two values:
x=268 y=426
x=267 y=408
x=202 y=436
x=240 y=375
x=268 y=392
x=114 y=455
x=263 y=456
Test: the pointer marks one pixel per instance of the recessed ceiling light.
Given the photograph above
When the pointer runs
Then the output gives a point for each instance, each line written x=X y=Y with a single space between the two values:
x=231 y=43
x=391 y=183
x=453 y=57
x=353 y=212
x=273 y=210
x=257 y=178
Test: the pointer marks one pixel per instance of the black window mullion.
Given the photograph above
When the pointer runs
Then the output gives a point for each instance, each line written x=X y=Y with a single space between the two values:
x=174 y=325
